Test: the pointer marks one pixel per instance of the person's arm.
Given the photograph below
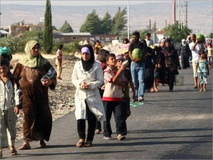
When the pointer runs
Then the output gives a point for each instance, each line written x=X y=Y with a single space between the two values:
x=130 y=51
x=75 y=80
x=194 y=46
x=17 y=97
x=115 y=78
x=99 y=79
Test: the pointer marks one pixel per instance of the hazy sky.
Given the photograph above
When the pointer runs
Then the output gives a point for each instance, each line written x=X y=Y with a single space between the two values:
x=72 y=3
x=198 y=21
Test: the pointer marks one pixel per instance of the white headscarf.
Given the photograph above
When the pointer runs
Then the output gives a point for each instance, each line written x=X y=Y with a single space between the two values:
x=183 y=42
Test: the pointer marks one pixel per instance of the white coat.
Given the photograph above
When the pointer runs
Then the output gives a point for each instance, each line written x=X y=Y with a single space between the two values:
x=91 y=96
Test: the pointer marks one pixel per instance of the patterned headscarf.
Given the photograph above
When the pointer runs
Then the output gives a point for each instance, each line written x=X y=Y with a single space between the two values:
x=32 y=61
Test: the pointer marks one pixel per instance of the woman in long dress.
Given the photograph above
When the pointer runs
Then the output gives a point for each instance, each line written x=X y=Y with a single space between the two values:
x=37 y=122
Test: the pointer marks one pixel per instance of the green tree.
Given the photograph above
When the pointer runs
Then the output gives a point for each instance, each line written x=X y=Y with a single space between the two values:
x=92 y=24
x=54 y=28
x=106 y=24
x=210 y=35
x=143 y=33
x=66 y=28
x=119 y=21
x=33 y=35
x=177 y=32
x=48 y=33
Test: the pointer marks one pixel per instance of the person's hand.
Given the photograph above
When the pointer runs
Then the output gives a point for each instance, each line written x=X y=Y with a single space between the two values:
x=136 y=59
x=16 y=110
x=157 y=65
x=122 y=67
x=46 y=82
x=84 y=85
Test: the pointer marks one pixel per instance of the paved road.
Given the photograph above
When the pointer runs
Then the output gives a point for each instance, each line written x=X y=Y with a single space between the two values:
x=170 y=125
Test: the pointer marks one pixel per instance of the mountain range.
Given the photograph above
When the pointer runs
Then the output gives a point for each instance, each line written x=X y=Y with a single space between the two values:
x=200 y=14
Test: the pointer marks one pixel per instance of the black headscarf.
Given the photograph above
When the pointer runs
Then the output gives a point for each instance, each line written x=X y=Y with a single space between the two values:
x=87 y=65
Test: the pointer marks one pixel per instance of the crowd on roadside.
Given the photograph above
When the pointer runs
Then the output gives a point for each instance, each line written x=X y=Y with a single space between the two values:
x=103 y=81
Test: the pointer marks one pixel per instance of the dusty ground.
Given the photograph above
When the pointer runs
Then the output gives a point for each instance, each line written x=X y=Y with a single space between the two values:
x=60 y=103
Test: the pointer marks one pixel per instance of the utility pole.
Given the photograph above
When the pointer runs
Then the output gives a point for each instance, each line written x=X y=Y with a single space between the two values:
x=150 y=26
x=128 y=19
x=178 y=10
x=186 y=14
x=173 y=11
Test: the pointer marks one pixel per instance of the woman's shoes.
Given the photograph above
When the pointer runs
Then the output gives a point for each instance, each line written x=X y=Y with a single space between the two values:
x=153 y=90
x=80 y=143
x=42 y=144
x=97 y=131
x=88 y=144
x=25 y=146
x=121 y=137
x=13 y=152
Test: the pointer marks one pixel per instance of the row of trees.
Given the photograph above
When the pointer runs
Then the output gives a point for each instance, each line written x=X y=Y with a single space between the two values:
x=95 y=25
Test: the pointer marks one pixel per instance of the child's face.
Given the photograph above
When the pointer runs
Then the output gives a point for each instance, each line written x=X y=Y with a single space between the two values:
x=126 y=55
x=111 y=61
x=4 y=70
x=119 y=62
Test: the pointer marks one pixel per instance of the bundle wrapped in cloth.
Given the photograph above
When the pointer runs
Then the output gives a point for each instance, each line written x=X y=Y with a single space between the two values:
x=49 y=75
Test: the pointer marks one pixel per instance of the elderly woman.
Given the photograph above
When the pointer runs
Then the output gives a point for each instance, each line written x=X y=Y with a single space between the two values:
x=87 y=77
x=30 y=71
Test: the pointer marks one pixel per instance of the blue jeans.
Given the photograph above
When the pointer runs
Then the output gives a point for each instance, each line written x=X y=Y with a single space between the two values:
x=138 y=76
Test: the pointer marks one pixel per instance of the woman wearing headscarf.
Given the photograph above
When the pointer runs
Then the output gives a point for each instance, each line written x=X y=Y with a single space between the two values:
x=184 y=53
x=171 y=62
x=87 y=77
x=30 y=71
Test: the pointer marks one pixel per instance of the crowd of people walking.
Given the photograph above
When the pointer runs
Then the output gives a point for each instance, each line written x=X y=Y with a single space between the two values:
x=102 y=80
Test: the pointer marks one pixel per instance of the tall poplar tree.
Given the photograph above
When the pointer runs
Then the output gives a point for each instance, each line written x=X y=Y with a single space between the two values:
x=48 y=33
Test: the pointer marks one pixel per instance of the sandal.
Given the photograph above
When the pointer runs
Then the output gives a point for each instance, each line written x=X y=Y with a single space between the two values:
x=13 y=152
x=25 y=147
x=80 y=144
x=97 y=131
x=152 y=90
x=88 y=144
x=42 y=144
x=121 y=137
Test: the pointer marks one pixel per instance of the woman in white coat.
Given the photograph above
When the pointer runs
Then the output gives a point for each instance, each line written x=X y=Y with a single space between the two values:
x=87 y=76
